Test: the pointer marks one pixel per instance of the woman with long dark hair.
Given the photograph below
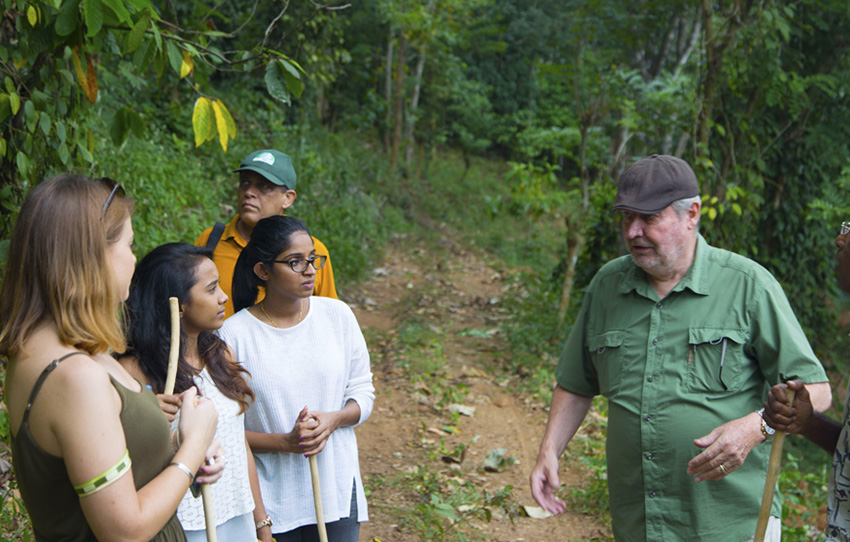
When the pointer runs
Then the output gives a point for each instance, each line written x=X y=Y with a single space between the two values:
x=310 y=370
x=205 y=361
x=92 y=452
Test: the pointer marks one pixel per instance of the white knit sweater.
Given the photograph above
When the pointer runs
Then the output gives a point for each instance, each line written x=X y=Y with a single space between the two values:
x=322 y=363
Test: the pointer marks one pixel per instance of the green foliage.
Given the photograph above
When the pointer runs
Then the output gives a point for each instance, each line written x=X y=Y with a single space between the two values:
x=14 y=522
x=804 y=493
x=447 y=507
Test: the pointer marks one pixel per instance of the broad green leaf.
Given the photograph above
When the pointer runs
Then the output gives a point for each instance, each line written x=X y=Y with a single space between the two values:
x=90 y=140
x=60 y=131
x=289 y=67
x=186 y=65
x=68 y=76
x=117 y=7
x=140 y=4
x=712 y=213
x=5 y=108
x=14 y=102
x=40 y=99
x=159 y=64
x=10 y=84
x=221 y=124
x=202 y=116
x=276 y=82
x=174 y=56
x=137 y=126
x=2 y=147
x=144 y=55
x=44 y=123
x=32 y=15
x=294 y=84
x=22 y=163
x=30 y=116
x=137 y=33
x=68 y=19
x=118 y=129
x=157 y=37
x=84 y=152
x=64 y=154
x=93 y=11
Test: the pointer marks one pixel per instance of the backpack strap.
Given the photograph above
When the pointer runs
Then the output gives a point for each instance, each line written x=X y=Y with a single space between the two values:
x=215 y=235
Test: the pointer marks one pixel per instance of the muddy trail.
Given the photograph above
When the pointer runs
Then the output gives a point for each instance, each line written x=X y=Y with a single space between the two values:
x=450 y=434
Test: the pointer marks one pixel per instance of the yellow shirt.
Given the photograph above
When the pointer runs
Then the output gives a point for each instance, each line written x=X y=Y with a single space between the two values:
x=230 y=246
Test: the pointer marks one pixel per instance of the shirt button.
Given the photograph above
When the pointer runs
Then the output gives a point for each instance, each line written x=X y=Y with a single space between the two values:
x=659 y=306
x=652 y=494
x=647 y=417
x=654 y=341
x=649 y=379
x=649 y=456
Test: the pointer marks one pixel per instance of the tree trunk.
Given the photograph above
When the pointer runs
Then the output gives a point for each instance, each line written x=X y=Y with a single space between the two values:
x=414 y=105
x=575 y=242
x=399 y=103
x=388 y=91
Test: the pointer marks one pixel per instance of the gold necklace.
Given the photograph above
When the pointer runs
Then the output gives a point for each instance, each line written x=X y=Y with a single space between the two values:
x=300 y=310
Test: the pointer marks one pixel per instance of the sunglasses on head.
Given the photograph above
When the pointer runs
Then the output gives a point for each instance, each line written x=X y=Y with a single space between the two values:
x=115 y=189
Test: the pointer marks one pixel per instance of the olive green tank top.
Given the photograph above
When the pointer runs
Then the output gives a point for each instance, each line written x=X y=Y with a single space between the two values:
x=48 y=493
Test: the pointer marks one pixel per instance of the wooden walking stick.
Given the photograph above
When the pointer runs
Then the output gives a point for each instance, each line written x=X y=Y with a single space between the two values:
x=772 y=475
x=170 y=380
x=317 y=499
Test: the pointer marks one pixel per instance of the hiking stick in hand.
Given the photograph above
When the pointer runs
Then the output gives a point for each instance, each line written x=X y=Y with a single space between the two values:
x=170 y=380
x=772 y=475
x=317 y=499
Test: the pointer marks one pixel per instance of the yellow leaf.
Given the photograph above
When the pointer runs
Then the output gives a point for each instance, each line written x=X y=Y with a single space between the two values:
x=712 y=213
x=220 y=123
x=201 y=119
x=32 y=15
x=91 y=88
x=228 y=120
x=187 y=66
x=87 y=79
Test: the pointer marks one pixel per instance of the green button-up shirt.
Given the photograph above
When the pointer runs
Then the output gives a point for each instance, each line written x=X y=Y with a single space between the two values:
x=674 y=369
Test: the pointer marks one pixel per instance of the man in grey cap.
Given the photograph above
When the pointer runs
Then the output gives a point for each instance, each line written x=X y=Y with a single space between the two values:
x=266 y=188
x=684 y=340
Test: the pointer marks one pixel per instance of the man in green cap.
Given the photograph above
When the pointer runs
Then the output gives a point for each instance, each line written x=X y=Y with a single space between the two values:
x=684 y=340
x=266 y=188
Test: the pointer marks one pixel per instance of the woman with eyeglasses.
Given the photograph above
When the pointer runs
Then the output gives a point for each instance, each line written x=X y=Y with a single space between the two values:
x=94 y=456
x=310 y=372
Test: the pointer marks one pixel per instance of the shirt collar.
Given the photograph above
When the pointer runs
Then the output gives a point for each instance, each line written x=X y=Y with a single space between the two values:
x=232 y=232
x=696 y=279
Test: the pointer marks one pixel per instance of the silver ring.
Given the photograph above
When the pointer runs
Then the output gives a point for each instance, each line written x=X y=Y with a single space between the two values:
x=723 y=469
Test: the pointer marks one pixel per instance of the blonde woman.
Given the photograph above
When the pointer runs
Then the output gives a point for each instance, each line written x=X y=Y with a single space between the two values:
x=92 y=452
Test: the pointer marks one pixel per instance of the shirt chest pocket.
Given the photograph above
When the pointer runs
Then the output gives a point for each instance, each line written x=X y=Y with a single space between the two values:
x=607 y=352
x=716 y=359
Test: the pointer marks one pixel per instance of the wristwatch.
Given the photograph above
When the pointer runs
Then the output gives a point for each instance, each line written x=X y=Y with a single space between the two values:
x=766 y=430
x=267 y=521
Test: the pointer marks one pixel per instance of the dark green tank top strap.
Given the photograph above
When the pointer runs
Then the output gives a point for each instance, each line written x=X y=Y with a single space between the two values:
x=38 y=383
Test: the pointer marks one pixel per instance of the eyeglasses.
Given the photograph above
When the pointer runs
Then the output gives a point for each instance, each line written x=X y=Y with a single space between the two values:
x=845 y=227
x=116 y=189
x=299 y=265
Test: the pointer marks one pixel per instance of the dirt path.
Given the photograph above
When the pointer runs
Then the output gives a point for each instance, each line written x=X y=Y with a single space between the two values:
x=453 y=294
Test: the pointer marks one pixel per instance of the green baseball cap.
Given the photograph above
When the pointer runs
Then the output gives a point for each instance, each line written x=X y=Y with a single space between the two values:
x=272 y=165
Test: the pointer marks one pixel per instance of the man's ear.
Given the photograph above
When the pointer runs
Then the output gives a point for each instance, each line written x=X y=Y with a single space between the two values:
x=694 y=213
x=261 y=271
x=288 y=199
